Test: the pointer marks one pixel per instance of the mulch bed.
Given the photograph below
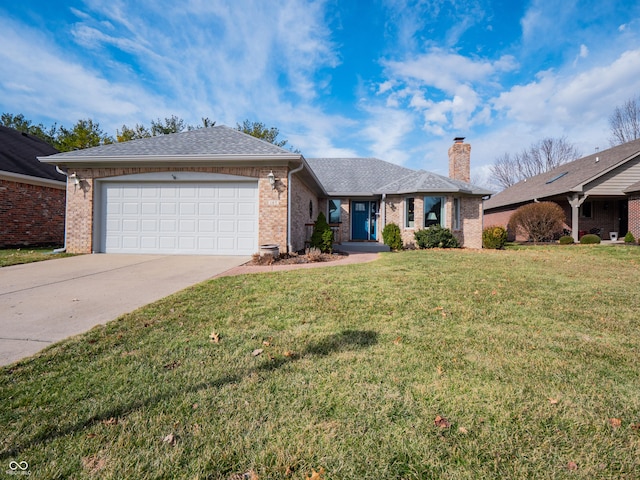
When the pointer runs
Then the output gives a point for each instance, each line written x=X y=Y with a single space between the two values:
x=295 y=258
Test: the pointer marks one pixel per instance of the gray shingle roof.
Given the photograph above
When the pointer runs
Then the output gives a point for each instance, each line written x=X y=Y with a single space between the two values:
x=575 y=175
x=218 y=140
x=355 y=176
x=18 y=152
x=633 y=188
x=425 y=182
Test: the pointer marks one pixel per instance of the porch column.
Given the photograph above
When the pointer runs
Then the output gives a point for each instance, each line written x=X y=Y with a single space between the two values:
x=575 y=201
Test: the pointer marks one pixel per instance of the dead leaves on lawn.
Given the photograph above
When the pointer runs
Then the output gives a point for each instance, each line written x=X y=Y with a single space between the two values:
x=315 y=475
x=214 y=337
x=441 y=422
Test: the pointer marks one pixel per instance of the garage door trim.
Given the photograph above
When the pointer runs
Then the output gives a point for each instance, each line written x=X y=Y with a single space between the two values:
x=164 y=180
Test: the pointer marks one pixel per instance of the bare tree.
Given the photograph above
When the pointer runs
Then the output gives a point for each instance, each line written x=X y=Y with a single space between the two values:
x=540 y=157
x=625 y=122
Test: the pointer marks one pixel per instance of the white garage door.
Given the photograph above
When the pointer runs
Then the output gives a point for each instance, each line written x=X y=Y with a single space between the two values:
x=212 y=218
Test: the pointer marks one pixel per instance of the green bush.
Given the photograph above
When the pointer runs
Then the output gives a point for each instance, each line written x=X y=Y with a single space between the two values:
x=494 y=237
x=322 y=236
x=566 y=240
x=436 y=237
x=589 y=239
x=539 y=221
x=392 y=237
x=629 y=238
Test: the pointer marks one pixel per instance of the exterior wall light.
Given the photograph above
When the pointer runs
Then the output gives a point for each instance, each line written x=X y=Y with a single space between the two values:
x=272 y=179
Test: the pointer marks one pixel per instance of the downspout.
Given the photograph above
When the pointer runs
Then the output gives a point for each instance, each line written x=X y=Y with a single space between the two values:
x=291 y=172
x=66 y=211
x=383 y=215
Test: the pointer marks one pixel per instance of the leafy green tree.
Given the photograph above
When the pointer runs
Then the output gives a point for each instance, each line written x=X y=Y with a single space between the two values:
x=171 y=124
x=84 y=134
x=258 y=130
x=135 y=133
x=18 y=122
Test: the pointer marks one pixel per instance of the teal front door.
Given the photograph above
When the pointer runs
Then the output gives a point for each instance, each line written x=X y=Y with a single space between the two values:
x=363 y=220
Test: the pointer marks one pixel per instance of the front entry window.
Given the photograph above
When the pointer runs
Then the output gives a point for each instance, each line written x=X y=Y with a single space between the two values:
x=334 y=211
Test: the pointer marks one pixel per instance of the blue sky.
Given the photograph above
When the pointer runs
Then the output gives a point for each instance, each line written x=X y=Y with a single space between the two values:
x=392 y=79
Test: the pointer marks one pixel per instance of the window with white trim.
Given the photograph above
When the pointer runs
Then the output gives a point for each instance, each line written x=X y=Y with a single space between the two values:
x=409 y=212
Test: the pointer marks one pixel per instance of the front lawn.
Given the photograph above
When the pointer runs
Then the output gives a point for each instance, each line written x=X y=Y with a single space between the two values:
x=424 y=364
x=16 y=256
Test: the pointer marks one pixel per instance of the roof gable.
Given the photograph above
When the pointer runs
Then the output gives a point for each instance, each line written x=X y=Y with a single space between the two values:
x=18 y=152
x=566 y=178
x=426 y=182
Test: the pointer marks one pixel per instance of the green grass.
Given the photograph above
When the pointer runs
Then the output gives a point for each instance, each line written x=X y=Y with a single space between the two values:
x=529 y=354
x=17 y=256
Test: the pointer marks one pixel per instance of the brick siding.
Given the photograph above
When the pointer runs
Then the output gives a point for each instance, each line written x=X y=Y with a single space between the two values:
x=634 y=216
x=469 y=235
x=31 y=215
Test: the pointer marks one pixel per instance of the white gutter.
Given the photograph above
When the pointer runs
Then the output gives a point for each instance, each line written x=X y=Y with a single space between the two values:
x=291 y=172
x=66 y=212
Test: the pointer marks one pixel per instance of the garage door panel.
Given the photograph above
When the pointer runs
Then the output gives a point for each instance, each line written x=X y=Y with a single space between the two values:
x=182 y=218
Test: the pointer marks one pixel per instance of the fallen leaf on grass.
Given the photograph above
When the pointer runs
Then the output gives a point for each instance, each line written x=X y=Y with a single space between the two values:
x=572 y=466
x=553 y=401
x=171 y=439
x=257 y=352
x=110 y=421
x=250 y=475
x=397 y=341
x=93 y=464
x=615 y=422
x=315 y=475
x=441 y=422
x=214 y=337
x=290 y=354
x=439 y=370
x=266 y=343
x=463 y=430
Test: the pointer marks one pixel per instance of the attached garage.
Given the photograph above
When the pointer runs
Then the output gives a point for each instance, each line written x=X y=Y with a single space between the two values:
x=183 y=215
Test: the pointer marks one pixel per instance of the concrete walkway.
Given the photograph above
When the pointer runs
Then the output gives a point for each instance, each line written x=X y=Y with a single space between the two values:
x=44 y=302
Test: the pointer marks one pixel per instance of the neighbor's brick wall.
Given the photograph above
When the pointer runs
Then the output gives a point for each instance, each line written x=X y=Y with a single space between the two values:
x=634 y=215
x=272 y=218
x=31 y=215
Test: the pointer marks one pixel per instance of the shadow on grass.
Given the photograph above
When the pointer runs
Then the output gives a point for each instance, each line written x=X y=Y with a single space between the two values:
x=337 y=342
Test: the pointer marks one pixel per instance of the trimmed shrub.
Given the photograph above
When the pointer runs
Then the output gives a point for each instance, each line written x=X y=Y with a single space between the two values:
x=539 y=221
x=589 y=239
x=392 y=237
x=566 y=240
x=436 y=237
x=322 y=236
x=629 y=238
x=494 y=237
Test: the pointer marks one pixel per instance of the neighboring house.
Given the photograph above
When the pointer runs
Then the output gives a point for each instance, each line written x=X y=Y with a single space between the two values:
x=220 y=191
x=32 y=194
x=600 y=192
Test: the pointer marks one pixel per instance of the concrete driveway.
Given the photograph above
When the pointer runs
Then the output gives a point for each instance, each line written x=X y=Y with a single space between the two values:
x=44 y=302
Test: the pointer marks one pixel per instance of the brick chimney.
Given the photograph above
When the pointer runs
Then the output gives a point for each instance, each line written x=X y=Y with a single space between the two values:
x=460 y=160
